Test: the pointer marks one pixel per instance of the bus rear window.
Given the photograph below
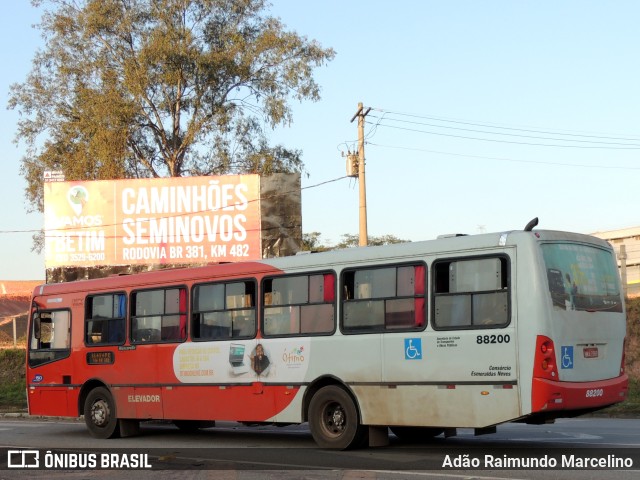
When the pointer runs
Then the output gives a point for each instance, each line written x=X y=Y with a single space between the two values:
x=582 y=277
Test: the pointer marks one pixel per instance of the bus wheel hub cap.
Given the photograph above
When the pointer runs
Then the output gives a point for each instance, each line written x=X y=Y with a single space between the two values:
x=99 y=413
x=338 y=418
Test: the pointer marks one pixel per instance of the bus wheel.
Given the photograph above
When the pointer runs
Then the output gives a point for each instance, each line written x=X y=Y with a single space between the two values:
x=100 y=414
x=333 y=419
x=416 y=434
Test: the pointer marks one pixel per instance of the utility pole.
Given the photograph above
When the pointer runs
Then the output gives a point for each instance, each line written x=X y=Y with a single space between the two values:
x=364 y=239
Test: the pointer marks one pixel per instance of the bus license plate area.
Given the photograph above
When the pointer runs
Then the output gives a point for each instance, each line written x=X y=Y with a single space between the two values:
x=590 y=352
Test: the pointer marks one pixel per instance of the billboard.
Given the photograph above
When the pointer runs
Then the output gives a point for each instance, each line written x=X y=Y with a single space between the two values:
x=177 y=220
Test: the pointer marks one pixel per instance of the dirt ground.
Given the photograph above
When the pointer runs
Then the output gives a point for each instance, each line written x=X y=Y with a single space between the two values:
x=13 y=307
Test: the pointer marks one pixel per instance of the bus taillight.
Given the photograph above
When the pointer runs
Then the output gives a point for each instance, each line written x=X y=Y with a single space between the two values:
x=545 y=365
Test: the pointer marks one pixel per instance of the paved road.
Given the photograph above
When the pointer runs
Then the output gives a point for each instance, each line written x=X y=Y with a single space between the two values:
x=235 y=451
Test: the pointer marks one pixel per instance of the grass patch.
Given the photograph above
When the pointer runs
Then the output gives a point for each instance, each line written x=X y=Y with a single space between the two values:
x=12 y=379
x=13 y=395
x=631 y=406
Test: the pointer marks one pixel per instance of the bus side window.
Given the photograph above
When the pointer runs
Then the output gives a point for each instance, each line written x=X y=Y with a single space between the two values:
x=471 y=293
x=105 y=319
x=453 y=311
x=384 y=299
x=299 y=305
x=223 y=311
x=490 y=308
x=50 y=338
x=146 y=329
x=159 y=315
x=45 y=333
x=60 y=334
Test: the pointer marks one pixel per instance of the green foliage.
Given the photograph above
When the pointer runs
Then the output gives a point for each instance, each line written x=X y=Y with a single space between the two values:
x=12 y=378
x=13 y=395
x=632 y=350
x=311 y=241
x=13 y=361
x=631 y=406
x=632 y=362
x=350 y=240
x=151 y=88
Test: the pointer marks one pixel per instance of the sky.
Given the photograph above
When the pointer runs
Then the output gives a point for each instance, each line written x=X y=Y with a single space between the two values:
x=483 y=116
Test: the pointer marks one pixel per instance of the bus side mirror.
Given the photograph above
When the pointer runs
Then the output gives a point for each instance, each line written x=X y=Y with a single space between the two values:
x=35 y=315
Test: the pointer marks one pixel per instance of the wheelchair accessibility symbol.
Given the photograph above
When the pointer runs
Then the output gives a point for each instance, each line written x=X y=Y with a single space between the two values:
x=412 y=348
x=566 y=361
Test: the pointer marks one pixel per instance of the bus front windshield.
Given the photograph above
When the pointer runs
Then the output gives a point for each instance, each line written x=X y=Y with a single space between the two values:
x=582 y=277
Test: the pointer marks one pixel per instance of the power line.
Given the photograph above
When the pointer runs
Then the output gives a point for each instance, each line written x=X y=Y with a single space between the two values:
x=502 y=159
x=186 y=214
x=505 y=134
x=508 y=141
x=499 y=126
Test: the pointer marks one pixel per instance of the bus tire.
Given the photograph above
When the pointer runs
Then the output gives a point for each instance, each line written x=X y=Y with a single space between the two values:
x=334 y=419
x=416 y=434
x=100 y=414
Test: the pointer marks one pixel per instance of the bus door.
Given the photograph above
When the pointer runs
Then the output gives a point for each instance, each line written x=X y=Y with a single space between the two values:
x=49 y=364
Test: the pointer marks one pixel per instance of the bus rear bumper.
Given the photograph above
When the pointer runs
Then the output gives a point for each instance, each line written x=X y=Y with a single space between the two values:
x=549 y=395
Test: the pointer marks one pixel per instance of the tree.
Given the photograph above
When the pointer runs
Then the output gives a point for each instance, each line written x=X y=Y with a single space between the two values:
x=350 y=240
x=151 y=88
x=311 y=241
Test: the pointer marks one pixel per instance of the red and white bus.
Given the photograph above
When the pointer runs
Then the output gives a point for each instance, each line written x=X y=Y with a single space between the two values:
x=424 y=337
